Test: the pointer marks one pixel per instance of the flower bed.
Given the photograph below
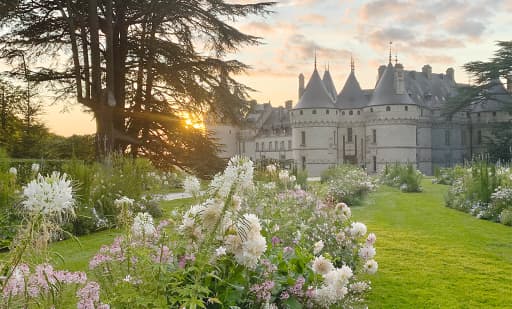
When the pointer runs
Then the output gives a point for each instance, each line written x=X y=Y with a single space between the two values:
x=241 y=244
x=483 y=190
x=405 y=177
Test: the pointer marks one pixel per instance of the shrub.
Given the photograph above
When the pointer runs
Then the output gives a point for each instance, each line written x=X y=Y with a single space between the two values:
x=404 y=177
x=347 y=183
x=506 y=217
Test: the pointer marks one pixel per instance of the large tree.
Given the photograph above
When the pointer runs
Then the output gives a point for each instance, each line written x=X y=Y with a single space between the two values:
x=137 y=65
x=485 y=76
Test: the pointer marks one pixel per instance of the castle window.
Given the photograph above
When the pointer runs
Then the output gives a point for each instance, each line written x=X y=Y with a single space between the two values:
x=479 y=137
x=406 y=108
x=269 y=146
x=447 y=137
x=343 y=113
x=262 y=146
x=351 y=113
x=462 y=137
x=388 y=108
x=478 y=115
x=303 y=159
x=281 y=145
x=359 y=112
x=374 y=164
x=257 y=146
x=336 y=112
x=289 y=145
x=275 y=146
x=327 y=111
x=371 y=109
x=243 y=147
x=349 y=135
x=301 y=113
x=468 y=115
x=494 y=114
x=303 y=138
x=374 y=136
x=417 y=136
x=314 y=112
x=421 y=111
x=229 y=131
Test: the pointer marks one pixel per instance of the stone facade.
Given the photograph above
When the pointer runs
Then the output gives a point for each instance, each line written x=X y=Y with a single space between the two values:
x=400 y=120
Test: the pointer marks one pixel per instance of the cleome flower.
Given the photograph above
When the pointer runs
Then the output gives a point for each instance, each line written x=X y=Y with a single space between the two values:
x=143 y=226
x=50 y=195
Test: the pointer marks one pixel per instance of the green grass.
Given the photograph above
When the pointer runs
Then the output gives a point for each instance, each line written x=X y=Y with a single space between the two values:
x=431 y=256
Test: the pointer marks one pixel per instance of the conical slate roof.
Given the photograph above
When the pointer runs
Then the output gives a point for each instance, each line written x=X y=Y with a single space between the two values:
x=498 y=98
x=351 y=96
x=315 y=95
x=329 y=84
x=385 y=93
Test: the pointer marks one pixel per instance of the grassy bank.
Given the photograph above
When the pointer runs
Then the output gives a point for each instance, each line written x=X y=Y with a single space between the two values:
x=431 y=256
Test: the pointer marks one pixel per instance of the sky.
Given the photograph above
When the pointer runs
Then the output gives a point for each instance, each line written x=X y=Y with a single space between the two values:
x=442 y=33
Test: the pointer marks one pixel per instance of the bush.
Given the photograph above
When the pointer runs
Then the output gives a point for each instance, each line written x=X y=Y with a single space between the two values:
x=347 y=183
x=506 y=217
x=405 y=177
x=483 y=190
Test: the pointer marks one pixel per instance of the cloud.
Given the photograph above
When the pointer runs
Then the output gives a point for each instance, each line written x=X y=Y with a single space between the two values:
x=438 y=42
x=380 y=38
x=470 y=28
x=313 y=19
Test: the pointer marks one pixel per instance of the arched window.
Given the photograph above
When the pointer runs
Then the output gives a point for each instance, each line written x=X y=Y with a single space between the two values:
x=388 y=108
x=359 y=112
x=257 y=146
x=343 y=113
x=371 y=109
x=327 y=111
x=351 y=113
x=406 y=108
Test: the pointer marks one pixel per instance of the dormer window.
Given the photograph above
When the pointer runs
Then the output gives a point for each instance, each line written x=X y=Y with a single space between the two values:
x=406 y=108
x=388 y=108
x=359 y=112
x=327 y=112
x=343 y=113
x=371 y=109
x=351 y=113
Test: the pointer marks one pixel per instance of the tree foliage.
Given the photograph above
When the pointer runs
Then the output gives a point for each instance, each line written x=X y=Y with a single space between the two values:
x=485 y=76
x=136 y=65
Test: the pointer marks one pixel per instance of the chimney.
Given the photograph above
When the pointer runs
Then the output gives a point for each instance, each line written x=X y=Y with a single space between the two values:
x=288 y=104
x=450 y=73
x=399 y=79
x=427 y=70
x=382 y=68
x=509 y=84
x=301 y=85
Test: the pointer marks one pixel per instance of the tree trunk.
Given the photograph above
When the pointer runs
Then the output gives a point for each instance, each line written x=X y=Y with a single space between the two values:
x=74 y=48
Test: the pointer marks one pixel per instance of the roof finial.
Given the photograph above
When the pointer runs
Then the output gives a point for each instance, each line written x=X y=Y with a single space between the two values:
x=352 y=64
x=315 y=58
x=390 y=45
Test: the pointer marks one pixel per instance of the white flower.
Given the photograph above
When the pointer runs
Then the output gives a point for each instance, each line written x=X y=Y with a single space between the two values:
x=284 y=176
x=143 y=226
x=220 y=251
x=13 y=171
x=345 y=211
x=322 y=265
x=35 y=168
x=271 y=168
x=192 y=185
x=358 y=229
x=210 y=214
x=359 y=287
x=319 y=245
x=123 y=201
x=293 y=178
x=367 y=252
x=50 y=195
x=340 y=237
x=370 y=267
x=338 y=277
x=370 y=240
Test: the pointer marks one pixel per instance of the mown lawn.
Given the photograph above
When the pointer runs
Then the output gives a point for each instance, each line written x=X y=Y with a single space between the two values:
x=431 y=256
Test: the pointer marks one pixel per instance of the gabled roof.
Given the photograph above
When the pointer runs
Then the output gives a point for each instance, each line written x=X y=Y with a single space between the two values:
x=351 y=96
x=498 y=98
x=329 y=84
x=385 y=93
x=315 y=95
